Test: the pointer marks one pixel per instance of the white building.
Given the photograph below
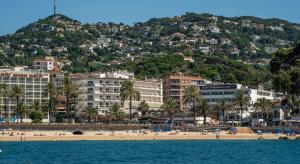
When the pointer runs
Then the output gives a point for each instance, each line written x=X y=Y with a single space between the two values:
x=102 y=90
x=214 y=93
x=214 y=29
x=48 y=63
x=32 y=82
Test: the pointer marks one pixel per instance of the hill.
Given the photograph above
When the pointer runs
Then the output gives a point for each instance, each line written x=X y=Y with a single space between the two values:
x=234 y=49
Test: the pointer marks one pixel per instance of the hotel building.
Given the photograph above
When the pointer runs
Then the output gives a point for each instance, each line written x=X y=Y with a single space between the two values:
x=102 y=90
x=214 y=93
x=32 y=82
x=174 y=87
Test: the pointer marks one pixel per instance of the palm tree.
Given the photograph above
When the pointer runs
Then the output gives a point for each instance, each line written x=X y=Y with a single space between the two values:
x=242 y=101
x=17 y=93
x=265 y=106
x=128 y=92
x=115 y=111
x=223 y=106
x=170 y=107
x=90 y=111
x=51 y=92
x=144 y=108
x=191 y=94
x=4 y=91
x=205 y=109
x=68 y=88
x=22 y=110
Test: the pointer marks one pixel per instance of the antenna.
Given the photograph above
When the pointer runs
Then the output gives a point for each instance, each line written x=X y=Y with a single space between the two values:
x=54 y=7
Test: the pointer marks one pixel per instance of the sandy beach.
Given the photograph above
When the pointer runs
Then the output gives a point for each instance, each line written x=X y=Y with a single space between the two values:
x=128 y=135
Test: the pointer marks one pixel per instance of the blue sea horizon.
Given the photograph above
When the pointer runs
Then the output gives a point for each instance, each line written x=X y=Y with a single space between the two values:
x=212 y=152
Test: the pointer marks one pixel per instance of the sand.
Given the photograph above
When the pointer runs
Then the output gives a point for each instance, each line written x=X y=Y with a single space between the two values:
x=127 y=135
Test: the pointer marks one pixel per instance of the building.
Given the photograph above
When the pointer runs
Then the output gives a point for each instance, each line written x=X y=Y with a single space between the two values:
x=102 y=90
x=48 y=63
x=174 y=87
x=214 y=93
x=33 y=83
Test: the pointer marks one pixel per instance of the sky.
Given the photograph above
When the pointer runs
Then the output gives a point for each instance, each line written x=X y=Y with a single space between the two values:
x=15 y=14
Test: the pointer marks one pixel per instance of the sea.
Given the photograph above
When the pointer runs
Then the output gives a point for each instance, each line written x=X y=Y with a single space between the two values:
x=143 y=152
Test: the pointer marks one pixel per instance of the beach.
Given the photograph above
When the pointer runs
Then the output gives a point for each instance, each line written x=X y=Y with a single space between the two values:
x=129 y=135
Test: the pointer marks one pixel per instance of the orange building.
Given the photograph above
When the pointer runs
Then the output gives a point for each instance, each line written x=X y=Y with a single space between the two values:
x=174 y=87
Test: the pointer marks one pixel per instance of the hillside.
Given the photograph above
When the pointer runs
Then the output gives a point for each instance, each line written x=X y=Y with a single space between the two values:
x=234 y=49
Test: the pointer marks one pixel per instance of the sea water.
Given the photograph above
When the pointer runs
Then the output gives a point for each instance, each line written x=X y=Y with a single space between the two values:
x=183 y=152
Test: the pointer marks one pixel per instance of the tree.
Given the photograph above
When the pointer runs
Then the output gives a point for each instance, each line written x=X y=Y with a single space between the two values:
x=36 y=115
x=170 y=107
x=282 y=82
x=265 y=106
x=144 y=108
x=223 y=106
x=5 y=92
x=116 y=112
x=17 y=93
x=242 y=101
x=89 y=112
x=191 y=94
x=22 y=110
x=204 y=108
x=51 y=92
x=128 y=92
x=68 y=89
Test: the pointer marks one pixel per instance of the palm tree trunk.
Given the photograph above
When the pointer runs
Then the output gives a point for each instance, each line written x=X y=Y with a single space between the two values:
x=242 y=120
x=194 y=112
x=68 y=106
x=89 y=117
x=5 y=109
x=204 y=119
x=130 y=108
x=171 y=119
x=223 y=115
x=17 y=112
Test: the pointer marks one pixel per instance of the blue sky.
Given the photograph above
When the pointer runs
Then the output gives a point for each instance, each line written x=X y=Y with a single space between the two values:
x=17 y=13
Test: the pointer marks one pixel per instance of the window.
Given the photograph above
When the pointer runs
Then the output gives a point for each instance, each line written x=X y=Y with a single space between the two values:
x=21 y=80
x=90 y=104
x=13 y=79
x=90 y=83
x=90 y=98
x=107 y=90
x=90 y=90
x=29 y=80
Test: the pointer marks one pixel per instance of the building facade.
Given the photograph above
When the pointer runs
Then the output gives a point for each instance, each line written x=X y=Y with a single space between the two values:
x=103 y=90
x=214 y=93
x=33 y=84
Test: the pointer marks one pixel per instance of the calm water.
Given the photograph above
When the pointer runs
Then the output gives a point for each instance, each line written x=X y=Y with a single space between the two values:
x=151 y=152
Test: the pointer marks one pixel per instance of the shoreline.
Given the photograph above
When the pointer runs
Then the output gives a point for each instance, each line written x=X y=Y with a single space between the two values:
x=20 y=136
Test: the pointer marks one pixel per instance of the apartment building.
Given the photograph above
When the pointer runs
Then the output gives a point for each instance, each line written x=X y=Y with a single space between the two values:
x=214 y=93
x=48 y=63
x=102 y=90
x=174 y=87
x=33 y=83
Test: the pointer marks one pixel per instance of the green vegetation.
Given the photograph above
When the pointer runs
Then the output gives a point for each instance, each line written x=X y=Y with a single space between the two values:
x=157 y=47
x=128 y=92
x=191 y=97
x=144 y=108
x=285 y=67
x=36 y=115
